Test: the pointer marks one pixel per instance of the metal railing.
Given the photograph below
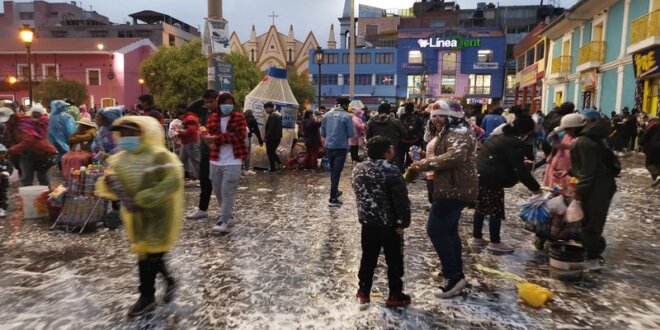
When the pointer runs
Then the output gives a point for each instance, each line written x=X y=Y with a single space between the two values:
x=646 y=26
x=592 y=52
x=561 y=64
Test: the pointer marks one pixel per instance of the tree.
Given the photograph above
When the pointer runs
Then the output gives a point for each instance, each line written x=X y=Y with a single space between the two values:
x=176 y=74
x=246 y=76
x=301 y=87
x=53 y=89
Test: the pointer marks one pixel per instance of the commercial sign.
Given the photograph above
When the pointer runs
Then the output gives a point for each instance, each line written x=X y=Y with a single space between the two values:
x=647 y=62
x=216 y=37
x=457 y=42
x=588 y=80
x=528 y=75
x=413 y=66
x=224 y=75
x=486 y=65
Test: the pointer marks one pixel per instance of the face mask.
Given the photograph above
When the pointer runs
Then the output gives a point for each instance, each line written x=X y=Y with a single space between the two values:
x=226 y=108
x=129 y=143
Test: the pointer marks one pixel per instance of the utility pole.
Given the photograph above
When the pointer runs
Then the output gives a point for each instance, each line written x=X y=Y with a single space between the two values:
x=214 y=12
x=351 y=46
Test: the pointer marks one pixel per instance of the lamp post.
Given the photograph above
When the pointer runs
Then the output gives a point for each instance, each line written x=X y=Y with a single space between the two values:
x=318 y=55
x=12 y=81
x=141 y=81
x=26 y=33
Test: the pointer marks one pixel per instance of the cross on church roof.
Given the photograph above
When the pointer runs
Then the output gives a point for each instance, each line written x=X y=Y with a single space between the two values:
x=273 y=16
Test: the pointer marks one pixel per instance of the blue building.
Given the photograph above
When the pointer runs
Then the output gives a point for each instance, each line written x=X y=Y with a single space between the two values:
x=375 y=75
x=451 y=63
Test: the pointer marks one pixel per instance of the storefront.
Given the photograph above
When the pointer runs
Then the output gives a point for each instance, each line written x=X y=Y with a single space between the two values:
x=529 y=91
x=646 y=64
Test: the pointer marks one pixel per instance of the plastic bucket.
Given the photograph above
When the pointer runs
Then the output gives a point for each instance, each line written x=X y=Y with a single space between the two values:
x=34 y=206
x=565 y=252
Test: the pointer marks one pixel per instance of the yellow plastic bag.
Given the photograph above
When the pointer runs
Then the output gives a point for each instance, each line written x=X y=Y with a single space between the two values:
x=534 y=294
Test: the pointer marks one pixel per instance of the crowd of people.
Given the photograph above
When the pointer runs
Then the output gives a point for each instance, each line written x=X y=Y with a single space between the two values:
x=466 y=158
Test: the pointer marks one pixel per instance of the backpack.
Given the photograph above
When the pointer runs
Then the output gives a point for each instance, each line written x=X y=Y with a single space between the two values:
x=412 y=128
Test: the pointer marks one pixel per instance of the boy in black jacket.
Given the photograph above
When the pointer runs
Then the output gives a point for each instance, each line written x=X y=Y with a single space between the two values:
x=383 y=211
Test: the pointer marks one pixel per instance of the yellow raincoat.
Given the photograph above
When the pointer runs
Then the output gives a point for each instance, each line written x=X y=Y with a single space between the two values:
x=152 y=177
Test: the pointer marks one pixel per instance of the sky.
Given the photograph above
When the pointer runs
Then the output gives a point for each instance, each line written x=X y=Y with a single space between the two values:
x=305 y=15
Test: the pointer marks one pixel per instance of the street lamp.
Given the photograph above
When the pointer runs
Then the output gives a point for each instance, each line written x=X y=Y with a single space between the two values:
x=26 y=33
x=12 y=81
x=318 y=55
x=141 y=81
x=100 y=46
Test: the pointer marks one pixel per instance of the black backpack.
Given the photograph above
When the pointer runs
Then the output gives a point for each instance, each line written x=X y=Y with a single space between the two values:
x=413 y=129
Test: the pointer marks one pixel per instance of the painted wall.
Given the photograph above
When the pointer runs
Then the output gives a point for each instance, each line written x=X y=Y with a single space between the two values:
x=570 y=93
x=637 y=9
x=549 y=99
x=556 y=49
x=629 y=82
x=587 y=33
x=575 y=48
x=608 y=91
x=613 y=32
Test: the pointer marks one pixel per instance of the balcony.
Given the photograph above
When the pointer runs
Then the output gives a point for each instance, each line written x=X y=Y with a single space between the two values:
x=591 y=56
x=645 y=32
x=560 y=67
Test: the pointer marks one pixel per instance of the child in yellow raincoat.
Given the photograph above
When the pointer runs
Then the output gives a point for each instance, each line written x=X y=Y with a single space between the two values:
x=148 y=180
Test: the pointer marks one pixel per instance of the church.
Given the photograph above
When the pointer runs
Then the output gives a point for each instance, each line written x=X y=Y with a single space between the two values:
x=275 y=49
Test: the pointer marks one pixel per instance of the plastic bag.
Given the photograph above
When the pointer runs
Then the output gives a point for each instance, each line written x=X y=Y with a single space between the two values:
x=574 y=212
x=535 y=211
x=534 y=294
x=556 y=205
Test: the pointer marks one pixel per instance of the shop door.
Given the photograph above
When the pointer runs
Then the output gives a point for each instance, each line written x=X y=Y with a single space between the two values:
x=586 y=99
x=559 y=98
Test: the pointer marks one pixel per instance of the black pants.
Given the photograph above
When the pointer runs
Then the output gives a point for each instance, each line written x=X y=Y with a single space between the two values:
x=355 y=154
x=271 y=150
x=149 y=269
x=4 y=185
x=429 y=190
x=373 y=239
x=595 y=206
x=402 y=158
x=494 y=225
x=652 y=164
x=204 y=180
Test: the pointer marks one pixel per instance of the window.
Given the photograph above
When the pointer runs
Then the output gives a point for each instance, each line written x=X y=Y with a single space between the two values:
x=22 y=71
x=485 y=55
x=372 y=30
x=384 y=79
x=540 y=51
x=479 y=84
x=98 y=33
x=93 y=77
x=530 y=57
x=449 y=62
x=171 y=39
x=50 y=71
x=326 y=79
x=384 y=58
x=58 y=34
x=414 y=56
x=360 y=58
x=362 y=79
x=414 y=84
x=521 y=63
x=330 y=58
x=448 y=84
x=26 y=15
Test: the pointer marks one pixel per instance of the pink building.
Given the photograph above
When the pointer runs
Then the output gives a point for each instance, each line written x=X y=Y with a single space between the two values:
x=109 y=67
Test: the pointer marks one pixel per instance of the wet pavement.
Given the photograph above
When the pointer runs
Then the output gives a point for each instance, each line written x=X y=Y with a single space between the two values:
x=290 y=262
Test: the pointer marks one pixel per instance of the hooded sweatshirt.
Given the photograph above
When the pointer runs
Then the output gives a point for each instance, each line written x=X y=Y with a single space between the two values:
x=60 y=127
x=386 y=125
x=588 y=154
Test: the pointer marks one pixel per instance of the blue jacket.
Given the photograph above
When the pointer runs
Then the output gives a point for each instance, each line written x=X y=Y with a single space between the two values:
x=491 y=122
x=336 y=128
x=61 y=125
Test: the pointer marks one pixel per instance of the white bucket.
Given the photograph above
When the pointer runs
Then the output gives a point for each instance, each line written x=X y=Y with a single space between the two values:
x=33 y=206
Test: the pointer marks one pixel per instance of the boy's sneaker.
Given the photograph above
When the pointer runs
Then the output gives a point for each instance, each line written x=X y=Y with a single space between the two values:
x=170 y=290
x=398 y=300
x=479 y=242
x=197 y=214
x=3 y=213
x=453 y=288
x=335 y=202
x=500 y=247
x=142 y=306
x=363 y=297
x=220 y=228
x=592 y=265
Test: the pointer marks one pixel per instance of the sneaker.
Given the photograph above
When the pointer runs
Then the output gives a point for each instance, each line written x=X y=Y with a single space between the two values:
x=453 y=288
x=3 y=213
x=220 y=228
x=479 y=242
x=170 y=291
x=500 y=247
x=197 y=214
x=398 y=300
x=592 y=265
x=250 y=172
x=142 y=306
x=656 y=183
x=334 y=202
x=363 y=297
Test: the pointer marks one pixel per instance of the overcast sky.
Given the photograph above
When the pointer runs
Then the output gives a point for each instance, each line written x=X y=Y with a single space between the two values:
x=305 y=15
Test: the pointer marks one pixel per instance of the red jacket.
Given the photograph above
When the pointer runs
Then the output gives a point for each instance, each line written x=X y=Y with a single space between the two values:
x=235 y=135
x=190 y=134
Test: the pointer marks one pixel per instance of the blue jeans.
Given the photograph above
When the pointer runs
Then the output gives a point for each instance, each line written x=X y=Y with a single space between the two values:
x=336 y=158
x=442 y=229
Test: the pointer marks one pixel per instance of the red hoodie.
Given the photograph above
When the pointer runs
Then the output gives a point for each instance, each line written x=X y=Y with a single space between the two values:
x=190 y=132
